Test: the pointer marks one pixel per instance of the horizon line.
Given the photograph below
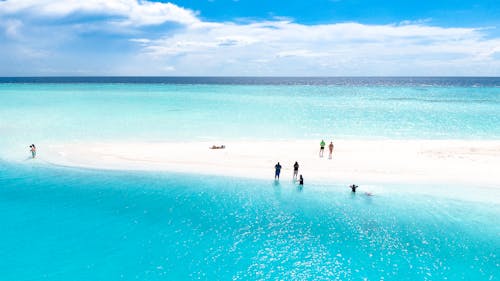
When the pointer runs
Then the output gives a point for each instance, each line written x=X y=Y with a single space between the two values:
x=245 y=76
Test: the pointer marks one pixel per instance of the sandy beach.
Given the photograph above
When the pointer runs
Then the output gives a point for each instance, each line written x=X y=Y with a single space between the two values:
x=354 y=161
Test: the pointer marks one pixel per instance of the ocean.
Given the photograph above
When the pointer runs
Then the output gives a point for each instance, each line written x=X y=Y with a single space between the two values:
x=77 y=224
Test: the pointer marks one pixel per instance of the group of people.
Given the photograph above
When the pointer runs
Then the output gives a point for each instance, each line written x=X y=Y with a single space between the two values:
x=277 y=167
x=322 y=149
x=277 y=172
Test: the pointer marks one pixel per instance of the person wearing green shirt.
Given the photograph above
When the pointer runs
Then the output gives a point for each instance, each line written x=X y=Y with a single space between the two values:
x=322 y=148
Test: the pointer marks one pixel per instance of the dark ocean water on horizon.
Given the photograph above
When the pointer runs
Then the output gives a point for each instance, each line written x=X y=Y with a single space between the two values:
x=338 y=81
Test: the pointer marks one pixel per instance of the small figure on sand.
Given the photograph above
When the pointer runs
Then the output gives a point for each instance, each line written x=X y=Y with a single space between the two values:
x=33 y=151
x=301 y=181
x=218 y=146
x=322 y=148
x=295 y=170
x=353 y=187
x=277 y=172
x=330 y=147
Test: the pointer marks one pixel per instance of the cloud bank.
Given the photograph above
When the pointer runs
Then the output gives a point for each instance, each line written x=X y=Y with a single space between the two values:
x=128 y=12
x=126 y=37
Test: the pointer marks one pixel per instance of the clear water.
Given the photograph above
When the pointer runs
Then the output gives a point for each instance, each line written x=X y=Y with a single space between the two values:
x=73 y=224
x=64 y=224
x=38 y=113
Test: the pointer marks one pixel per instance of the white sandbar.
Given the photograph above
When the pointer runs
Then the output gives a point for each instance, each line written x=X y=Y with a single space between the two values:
x=354 y=161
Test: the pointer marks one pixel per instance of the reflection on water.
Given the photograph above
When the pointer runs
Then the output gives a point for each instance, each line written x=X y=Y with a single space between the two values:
x=70 y=224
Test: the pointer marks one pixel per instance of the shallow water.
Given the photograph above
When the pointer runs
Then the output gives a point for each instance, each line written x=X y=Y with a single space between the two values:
x=60 y=112
x=73 y=224
x=69 y=224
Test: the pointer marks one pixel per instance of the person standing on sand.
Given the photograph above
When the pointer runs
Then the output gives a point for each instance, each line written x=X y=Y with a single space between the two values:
x=295 y=170
x=330 y=147
x=33 y=151
x=322 y=148
x=277 y=172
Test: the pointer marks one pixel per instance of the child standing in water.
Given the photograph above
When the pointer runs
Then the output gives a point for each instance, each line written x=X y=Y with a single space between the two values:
x=33 y=150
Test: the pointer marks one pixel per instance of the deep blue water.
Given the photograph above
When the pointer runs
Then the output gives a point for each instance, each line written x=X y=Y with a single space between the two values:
x=69 y=224
x=339 y=81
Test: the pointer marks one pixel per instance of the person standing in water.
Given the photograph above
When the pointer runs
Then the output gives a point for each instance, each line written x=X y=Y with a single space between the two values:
x=330 y=147
x=353 y=188
x=277 y=172
x=301 y=181
x=322 y=148
x=295 y=170
x=33 y=151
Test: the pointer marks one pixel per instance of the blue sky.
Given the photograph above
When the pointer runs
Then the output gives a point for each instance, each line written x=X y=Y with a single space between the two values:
x=441 y=12
x=245 y=37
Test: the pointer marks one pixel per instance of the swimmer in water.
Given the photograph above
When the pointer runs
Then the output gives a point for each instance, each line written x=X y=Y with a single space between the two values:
x=353 y=187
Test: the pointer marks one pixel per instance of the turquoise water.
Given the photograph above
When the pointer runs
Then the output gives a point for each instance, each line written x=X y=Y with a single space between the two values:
x=65 y=224
x=51 y=112
x=74 y=224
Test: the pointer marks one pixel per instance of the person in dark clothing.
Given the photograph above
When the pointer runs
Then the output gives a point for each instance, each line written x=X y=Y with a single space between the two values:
x=301 y=181
x=277 y=172
x=353 y=187
x=33 y=151
x=295 y=170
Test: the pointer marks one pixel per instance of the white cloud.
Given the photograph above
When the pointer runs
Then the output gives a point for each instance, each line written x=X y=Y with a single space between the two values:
x=142 y=41
x=168 y=68
x=275 y=47
x=134 y=12
x=12 y=27
x=301 y=53
x=330 y=49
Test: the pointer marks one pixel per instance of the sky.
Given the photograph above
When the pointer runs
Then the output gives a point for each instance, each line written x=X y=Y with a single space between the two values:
x=249 y=38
